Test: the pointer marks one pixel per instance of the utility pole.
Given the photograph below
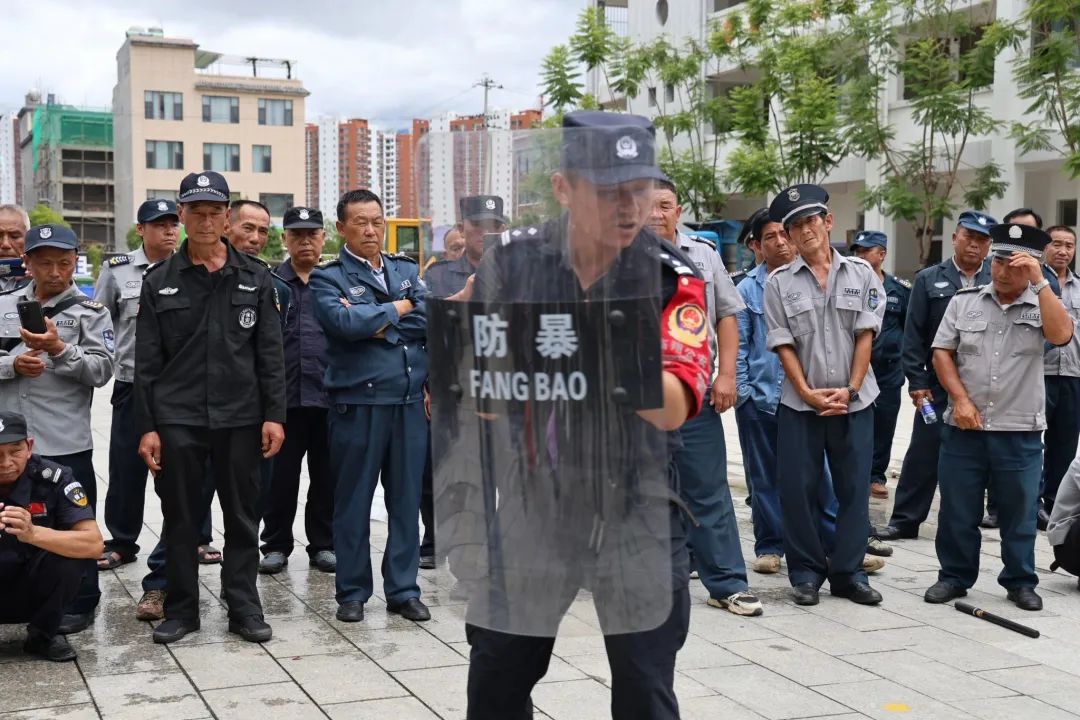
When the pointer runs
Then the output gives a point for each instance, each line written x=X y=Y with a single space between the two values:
x=488 y=84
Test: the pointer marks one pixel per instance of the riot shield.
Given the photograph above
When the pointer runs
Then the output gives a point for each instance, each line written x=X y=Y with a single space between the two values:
x=548 y=483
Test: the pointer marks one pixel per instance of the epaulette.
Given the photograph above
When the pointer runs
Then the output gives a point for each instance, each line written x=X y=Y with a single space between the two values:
x=675 y=259
x=119 y=260
x=859 y=260
x=258 y=259
x=782 y=267
x=329 y=263
x=153 y=266
x=737 y=276
x=973 y=288
x=703 y=241
x=403 y=256
x=524 y=233
x=88 y=303
x=902 y=282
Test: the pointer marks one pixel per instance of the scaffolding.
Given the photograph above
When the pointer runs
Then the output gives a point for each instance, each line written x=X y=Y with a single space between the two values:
x=63 y=125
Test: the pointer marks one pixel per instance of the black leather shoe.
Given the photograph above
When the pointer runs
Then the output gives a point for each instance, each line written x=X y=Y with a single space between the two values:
x=75 y=623
x=859 y=593
x=55 y=648
x=252 y=628
x=1042 y=521
x=891 y=532
x=427 y=562
x=350 y=611
x=172 y=630
x=804 y=594
x=943 y=592
x=990 y=521
x=1025 y=598
x=411 y=609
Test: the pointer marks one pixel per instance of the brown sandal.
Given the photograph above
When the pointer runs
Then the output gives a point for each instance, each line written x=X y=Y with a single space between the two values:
x=110 y=560
x=209 y=555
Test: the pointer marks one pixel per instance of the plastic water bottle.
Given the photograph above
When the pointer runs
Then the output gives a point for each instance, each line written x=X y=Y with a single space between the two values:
x=927 y=409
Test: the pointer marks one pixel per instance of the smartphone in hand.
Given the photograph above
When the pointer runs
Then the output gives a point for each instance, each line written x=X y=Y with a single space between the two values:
x=31 y=316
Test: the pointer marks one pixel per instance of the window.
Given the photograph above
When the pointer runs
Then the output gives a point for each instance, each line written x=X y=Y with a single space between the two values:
x=220 y=157
x=275 y=112
x=669 y=93
x=719 y=5
x=164 y=155
x=922 y=75
x=220 y=109
x=652 y=97
x=163 y=105
x=1066 y=212
x=162 y=195
x=276 y=203
x=260 y=158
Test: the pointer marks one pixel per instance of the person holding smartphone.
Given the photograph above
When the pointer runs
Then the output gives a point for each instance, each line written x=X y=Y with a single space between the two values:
x=54 y=350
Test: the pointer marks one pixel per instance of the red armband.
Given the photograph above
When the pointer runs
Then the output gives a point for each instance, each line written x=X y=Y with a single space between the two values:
x=684 y=335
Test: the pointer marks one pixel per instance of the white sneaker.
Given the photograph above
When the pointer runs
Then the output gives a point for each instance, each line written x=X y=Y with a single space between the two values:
x=694 y=575
x=741 y=603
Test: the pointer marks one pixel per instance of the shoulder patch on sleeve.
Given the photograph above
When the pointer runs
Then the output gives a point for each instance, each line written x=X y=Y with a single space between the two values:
x=972 y=289
x=74 y=492
x=88 y=303
x=119 y=260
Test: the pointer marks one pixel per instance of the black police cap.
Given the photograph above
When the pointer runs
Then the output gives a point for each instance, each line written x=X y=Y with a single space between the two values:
x=751 y=229
x=798 y=201
x=155 y=209
x=1009 y=238
x=482 y=207
x=207 y=186
x=302 y=218
x=609 y=148
x=57 y=236
x=12 y=427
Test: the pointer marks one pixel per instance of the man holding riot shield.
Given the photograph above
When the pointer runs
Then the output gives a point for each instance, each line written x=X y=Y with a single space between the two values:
x=583 y=346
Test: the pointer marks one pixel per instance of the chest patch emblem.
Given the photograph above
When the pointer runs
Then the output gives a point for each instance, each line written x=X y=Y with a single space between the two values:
x=941 y=284
x=405 y=285
x=357 y=291
x=247 y=318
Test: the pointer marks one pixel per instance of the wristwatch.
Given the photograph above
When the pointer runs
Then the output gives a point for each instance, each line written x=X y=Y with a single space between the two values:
x=1038 y=287
x=852 y=394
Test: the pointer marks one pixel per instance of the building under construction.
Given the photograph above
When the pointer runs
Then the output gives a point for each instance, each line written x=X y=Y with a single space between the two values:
x=67 y=164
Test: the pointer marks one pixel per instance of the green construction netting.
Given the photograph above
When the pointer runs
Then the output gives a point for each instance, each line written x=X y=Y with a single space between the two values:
x=65 y=125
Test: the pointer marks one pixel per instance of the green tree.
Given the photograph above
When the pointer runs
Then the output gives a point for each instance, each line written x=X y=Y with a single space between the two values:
x=688 y=154
x=274 y=250
x=1049 y=77
x=134 y=239
x=94 y=255
x=788 y=119
x=332 y=246
x=42 y=214
x=945 y=60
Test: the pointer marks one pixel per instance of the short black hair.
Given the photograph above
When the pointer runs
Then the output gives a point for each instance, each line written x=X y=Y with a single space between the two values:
x=1061 y=228
x=667 y=185
x=356 y=196
x=1020 y=212
x=751 y=229
x=235 y=205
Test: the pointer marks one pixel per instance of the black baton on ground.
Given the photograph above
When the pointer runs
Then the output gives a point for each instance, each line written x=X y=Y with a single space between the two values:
x=969 y=609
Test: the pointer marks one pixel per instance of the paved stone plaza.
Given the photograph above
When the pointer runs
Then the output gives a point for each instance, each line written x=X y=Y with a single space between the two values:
x=904 y=659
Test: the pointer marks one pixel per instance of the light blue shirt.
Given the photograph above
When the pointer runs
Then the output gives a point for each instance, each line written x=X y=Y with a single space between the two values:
x=758 y=374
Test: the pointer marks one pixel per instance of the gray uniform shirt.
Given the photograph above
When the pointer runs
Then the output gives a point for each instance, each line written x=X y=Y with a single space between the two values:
x=1066 y=507
x=999 y=354
x=118 y=289
x=722 y=298
x=822 y=324
x=1065 y=360
x=57 y=403
x=10 y=283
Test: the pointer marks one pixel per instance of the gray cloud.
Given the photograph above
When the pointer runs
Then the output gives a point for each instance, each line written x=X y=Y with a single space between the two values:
x=387 y=61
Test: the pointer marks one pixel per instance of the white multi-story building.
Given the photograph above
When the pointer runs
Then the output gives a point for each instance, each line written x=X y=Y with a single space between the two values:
x=8 y=159
x=1033 y=180
x=387 y=168
x=329 y=166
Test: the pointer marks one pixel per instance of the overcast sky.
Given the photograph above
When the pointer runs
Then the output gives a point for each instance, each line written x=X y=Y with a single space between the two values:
x=386 y=60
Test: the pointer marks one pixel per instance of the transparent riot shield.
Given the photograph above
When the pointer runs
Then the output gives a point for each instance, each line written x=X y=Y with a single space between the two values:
x=548 y=482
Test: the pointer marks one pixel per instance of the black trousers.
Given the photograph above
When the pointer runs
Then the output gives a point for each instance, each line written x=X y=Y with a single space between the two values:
x=234 y=455
x=427 y=505
x=38 y=590
x=504 y=668
x=125 y=497
x=919 y=474
x=82 y=467
x=305 y=434
x=1062 y=431
x=886 y=409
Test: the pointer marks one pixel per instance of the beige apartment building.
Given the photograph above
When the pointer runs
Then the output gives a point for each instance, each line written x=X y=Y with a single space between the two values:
x=179 y=109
